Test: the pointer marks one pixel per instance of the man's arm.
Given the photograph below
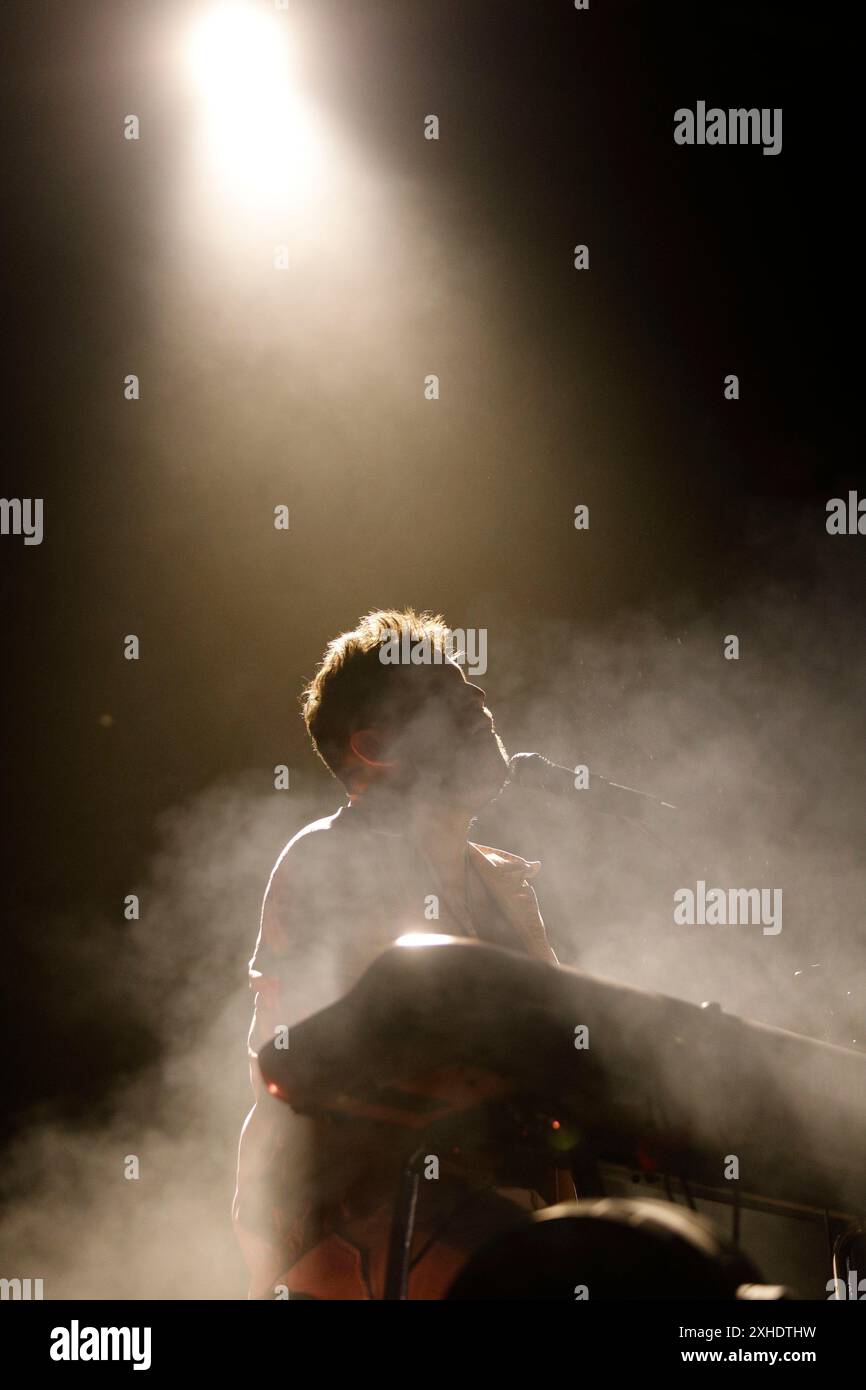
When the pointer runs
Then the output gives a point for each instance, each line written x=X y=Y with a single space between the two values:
x=294 y=972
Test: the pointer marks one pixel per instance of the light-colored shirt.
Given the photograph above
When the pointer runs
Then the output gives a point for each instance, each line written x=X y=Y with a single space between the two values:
x=342 y=891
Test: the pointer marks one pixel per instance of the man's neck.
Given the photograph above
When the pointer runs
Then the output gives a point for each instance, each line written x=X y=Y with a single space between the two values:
x=439 y=828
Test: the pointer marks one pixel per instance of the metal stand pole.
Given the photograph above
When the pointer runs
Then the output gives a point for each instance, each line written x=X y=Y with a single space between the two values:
x=402 y=1230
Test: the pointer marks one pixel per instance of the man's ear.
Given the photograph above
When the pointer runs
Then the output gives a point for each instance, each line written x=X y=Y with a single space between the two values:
x=368 y=747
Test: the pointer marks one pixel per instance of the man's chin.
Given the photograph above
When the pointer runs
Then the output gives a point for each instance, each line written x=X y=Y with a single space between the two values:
x=475 y=776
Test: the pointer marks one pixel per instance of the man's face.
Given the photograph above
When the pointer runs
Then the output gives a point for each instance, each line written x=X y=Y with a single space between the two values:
x=443 y=743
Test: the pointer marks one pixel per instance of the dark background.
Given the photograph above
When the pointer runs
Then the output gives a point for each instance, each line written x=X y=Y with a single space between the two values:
x=604 y=387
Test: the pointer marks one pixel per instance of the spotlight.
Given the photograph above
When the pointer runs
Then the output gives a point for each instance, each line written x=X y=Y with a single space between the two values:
x=235 y=51
x=255 y=136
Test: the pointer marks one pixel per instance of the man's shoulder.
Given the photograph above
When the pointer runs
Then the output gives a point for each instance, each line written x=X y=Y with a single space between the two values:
x=314 y=836
x=304 y=889
x=312 y=847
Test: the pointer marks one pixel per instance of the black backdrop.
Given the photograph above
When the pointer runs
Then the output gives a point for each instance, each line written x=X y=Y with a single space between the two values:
x=603 y=387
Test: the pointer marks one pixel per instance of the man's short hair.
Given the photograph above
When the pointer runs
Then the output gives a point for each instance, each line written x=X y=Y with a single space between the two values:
x=353 y=686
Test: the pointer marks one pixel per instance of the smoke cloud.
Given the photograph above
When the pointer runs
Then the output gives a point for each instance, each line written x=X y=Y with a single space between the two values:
x=758 y=756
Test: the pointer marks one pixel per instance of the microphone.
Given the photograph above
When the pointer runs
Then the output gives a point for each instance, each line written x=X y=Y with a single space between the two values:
x=610 y=798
